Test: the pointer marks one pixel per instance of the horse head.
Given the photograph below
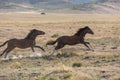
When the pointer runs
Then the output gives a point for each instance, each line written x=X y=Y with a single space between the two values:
x=37 y=32
x=88 y=30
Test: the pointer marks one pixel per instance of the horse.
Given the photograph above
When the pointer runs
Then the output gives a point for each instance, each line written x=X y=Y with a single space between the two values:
x=28 y=41
x=77 y=38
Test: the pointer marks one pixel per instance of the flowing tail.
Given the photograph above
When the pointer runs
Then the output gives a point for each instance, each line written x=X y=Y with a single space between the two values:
x=4 y=43
x=51 y=42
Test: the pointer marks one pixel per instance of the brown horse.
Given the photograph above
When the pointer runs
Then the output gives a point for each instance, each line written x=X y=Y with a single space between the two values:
x=77 y=38
x=28 y=41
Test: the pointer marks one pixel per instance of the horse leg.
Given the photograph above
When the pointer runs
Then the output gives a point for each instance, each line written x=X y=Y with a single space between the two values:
x=89 y=45
x=53 y=52
x=32 y=49
x=8 y=50
x=3 y=52
x=40 y=48
x=59 y=46
x=86 y=45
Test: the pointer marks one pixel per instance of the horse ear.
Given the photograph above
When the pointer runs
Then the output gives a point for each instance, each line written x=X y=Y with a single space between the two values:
x=33 y=30
x=86 y=27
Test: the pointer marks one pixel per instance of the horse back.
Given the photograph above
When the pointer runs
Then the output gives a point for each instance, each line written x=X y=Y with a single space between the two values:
x=69 y=40
x=20 y=43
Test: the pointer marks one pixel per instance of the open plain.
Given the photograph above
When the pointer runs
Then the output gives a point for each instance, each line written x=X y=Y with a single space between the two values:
x=69 y=63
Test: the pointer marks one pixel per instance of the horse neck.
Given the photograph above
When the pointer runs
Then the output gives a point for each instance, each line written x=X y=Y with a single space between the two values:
x=82 y=34
x=31 y=37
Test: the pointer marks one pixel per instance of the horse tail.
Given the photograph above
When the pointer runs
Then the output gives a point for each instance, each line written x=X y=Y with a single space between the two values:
x=4 y=43
x=51 y=42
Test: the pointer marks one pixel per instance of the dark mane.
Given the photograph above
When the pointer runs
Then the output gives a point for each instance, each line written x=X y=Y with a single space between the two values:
x=29 y=34
x=80 y=31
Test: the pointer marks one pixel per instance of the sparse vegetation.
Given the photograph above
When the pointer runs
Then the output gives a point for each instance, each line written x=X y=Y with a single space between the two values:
x=67 y=76
x=52 y=78
x=66 y=55
x=16 y=65
x=79 y=63
x=55 y=35
x=76 y=65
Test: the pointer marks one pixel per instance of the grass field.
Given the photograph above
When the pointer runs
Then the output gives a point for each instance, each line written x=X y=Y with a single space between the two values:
x=69 y=63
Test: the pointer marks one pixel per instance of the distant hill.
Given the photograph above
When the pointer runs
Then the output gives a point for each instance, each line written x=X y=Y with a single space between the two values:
x=88 y=6
x=99 y=6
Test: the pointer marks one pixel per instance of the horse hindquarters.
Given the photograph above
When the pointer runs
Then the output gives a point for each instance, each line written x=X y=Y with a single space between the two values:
x=59 y=46
x=7 y=50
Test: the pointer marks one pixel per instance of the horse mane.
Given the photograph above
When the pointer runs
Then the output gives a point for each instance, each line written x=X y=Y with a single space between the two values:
x=29 y=34
x=80 y=31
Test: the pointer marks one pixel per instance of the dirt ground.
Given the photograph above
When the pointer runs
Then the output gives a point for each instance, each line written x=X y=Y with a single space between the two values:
x=69 y=63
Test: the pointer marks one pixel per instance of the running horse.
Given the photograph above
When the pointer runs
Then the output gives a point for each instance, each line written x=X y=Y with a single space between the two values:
x=77 y=38
x=28 y=41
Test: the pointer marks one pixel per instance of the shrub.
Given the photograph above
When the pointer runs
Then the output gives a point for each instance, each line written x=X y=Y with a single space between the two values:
x=67 y=76
x=16 y=65
x=76 y=65
x=42 y=78
x=52 y=78
x=55 y=35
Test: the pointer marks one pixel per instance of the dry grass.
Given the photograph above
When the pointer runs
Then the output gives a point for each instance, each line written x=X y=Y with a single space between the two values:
x=102 y=64
x=15 y=65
